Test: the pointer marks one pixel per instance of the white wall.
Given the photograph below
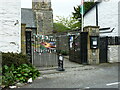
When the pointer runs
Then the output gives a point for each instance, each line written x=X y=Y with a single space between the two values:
x=107 y=17
x=10 y=34
x=113 y=53
x=119 y=18
x=90 y=18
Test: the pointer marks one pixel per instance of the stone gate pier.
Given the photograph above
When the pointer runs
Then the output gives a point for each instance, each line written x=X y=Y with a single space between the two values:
x=92 y=44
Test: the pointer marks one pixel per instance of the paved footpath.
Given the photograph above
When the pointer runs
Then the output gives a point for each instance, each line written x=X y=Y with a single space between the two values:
x=68 y=65
x=78 y=76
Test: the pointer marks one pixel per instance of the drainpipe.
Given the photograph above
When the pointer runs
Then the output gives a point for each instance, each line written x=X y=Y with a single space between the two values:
x=96 y=15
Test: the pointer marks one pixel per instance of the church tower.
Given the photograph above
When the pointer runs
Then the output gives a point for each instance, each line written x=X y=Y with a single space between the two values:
x=44 y=16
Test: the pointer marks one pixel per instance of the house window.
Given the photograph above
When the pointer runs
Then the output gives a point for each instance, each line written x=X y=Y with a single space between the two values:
x=114 y=40
x=111 y=41
x=117 y=40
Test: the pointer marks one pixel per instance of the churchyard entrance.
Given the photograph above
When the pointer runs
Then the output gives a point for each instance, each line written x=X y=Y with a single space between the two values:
x=78 y=48
x=44 y=50
x=84 y=48
x=88 y=47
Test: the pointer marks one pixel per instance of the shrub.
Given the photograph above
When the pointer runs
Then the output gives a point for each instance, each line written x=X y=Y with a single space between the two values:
x=14 y=58
x=8 y=77
x=22 y=73
x=63 y=52
x=17 y=68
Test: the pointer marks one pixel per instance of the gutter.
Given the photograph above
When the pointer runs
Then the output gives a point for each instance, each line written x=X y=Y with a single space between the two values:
x=106 y=31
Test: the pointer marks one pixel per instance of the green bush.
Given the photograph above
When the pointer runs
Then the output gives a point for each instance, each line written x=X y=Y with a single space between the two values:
x=14 y=58
x=22 y=73
x=17 y=68
x=8 y=77
x=63 y=52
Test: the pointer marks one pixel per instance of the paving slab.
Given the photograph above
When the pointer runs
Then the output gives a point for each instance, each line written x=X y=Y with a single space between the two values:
x=70 y=66
x=66 y=64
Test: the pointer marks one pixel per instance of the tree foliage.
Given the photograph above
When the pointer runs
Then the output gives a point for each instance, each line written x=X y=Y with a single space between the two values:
x=73 y=22
x=59 y=27
x=62 y=24
x=87 y=5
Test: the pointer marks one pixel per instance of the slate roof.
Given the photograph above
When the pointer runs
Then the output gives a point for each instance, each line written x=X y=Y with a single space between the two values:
x=28 y=17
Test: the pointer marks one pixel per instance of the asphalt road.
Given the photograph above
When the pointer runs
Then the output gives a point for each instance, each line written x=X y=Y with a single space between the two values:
x=101 y=76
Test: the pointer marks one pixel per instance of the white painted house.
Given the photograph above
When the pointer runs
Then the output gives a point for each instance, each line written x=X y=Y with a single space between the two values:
x=108 y=18
x=10 y=26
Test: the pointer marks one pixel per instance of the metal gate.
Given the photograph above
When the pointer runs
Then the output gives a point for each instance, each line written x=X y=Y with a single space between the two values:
x=74 y=49
x=28 y=45
x=83 y=46
x=103 y=50
x=44 y=51
x=71 y=48
x=78 y=48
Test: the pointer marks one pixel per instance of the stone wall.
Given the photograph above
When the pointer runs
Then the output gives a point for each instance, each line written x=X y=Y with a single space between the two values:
x=63 y=43
x=44 y=21
x=10 y=26
x=0 y=59
x=23 y=39
x=44 y=16
x=113 y=53
x=0 y=68
x=48 y=22
x=93 y=54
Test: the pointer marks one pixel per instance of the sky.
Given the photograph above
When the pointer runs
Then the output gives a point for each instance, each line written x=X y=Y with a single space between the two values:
x=60 y=7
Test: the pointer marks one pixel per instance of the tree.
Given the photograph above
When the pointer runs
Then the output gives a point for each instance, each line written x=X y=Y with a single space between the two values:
x=76 y=14
x=69 y=23
x=59 y=27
